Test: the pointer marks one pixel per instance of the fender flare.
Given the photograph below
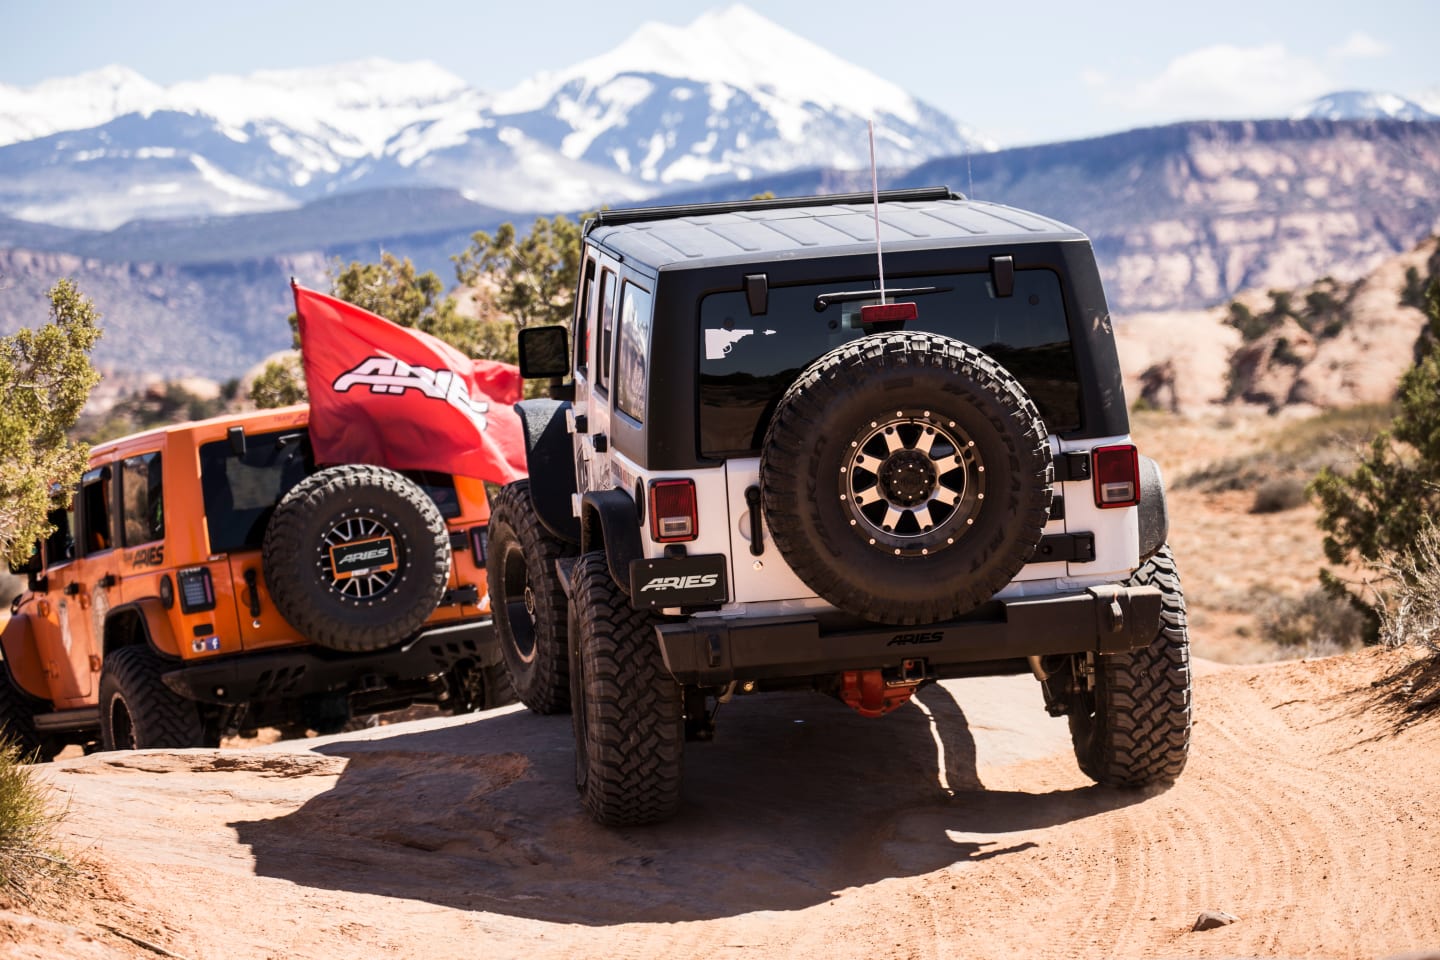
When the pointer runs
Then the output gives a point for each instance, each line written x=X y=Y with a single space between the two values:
x=1154 y=516
x=609 y=521
x=154 y=625
x=22 y=657
x=550 y=459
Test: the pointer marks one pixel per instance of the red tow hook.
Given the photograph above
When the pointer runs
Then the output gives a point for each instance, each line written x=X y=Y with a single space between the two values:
x=870 y=694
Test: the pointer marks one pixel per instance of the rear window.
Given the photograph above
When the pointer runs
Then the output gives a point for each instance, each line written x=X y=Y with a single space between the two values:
x=241 y=492
x=747 y=362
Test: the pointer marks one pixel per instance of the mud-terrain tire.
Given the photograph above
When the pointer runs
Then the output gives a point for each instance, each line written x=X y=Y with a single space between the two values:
x=527 y=601
x=1133 y=728
x=626 y=709
x=17 y=721
x=906 y=477
x=376 y=510
x=137 y=710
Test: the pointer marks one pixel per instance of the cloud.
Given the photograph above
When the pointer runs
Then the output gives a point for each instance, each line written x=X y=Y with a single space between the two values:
x=1221 y=81
x=1360 y=46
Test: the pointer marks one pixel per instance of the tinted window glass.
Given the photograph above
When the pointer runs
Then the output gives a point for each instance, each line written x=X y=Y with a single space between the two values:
x=582 y=318
x=607 y=328
x=142 y=503
x=241 y=492
x=747 y=362
x=634 y=348
x=97 y=534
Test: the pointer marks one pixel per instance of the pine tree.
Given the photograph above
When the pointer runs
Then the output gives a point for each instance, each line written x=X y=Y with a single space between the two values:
x=534 y=275
x=45 y=378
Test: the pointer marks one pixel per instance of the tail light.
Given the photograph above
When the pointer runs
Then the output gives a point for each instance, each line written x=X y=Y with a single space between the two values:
x=673 y=516
x=479 y=544
x=1117 y=476
x=888 y=312
x=197 y=590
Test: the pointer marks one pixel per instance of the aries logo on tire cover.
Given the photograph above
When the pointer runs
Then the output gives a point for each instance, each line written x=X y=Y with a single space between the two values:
x=363 y=556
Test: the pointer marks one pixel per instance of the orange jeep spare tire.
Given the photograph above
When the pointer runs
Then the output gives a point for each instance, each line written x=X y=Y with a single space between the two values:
x=356 y=557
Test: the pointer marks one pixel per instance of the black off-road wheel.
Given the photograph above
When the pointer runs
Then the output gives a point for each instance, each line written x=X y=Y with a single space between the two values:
x=356 y=558
x=17 y=722
x=1131 y=727
x=906 y=477
x=626 y=709
x=527 y=601
x=137 y=710
x=477 y=688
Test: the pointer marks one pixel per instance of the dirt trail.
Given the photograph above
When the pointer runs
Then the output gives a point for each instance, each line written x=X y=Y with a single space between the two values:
x=958 y=827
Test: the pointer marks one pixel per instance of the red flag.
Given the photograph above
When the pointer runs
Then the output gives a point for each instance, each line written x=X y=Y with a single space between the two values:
x=395 y=397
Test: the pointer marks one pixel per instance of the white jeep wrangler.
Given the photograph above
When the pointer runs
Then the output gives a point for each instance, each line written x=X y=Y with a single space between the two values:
x=766 y=473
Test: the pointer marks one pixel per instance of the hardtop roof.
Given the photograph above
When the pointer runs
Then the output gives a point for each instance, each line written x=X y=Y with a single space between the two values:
x=825 y=229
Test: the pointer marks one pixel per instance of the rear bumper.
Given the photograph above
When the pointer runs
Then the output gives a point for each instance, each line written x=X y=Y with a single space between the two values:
x=297 y=671
x=1104 y=619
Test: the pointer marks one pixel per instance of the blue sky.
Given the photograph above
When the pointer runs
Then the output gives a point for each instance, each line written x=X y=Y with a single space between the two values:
x=1020 y=72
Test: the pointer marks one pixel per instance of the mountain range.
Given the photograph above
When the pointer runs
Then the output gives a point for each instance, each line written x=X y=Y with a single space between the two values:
x=729 y=97
x=200 y=199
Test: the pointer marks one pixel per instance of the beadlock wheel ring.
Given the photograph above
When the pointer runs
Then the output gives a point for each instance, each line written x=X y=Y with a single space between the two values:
x=912 y=484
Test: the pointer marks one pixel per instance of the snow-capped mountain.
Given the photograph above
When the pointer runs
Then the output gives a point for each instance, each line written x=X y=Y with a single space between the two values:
x=1363 y=105
x=730 y=96
x=74 y=103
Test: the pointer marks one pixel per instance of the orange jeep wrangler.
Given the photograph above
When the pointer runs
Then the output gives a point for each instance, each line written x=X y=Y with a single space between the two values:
x=209 y=578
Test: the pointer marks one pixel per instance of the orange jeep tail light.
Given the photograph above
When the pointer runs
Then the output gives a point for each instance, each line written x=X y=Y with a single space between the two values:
x=1117 y=476
x=479 y=544
x=197 y=590
x=673 y=516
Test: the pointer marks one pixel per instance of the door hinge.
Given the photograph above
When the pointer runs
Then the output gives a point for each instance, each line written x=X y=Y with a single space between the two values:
x=1072 y=466
x=1065 y=548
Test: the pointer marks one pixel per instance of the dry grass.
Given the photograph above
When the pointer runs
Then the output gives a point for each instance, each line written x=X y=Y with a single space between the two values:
x=30 y=862
x=1410 y=608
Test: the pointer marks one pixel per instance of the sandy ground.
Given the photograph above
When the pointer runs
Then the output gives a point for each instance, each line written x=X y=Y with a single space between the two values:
x=956 y=827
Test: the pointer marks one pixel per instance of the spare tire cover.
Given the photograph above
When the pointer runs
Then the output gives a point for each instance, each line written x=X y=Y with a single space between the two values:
x=906 y=477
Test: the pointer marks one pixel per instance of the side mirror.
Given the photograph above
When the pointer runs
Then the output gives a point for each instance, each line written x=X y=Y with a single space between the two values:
x=33 y=569
x=544 y=352
x=31 y=566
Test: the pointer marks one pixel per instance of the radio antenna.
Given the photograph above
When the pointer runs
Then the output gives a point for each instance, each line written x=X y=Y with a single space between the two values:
x=875 y=203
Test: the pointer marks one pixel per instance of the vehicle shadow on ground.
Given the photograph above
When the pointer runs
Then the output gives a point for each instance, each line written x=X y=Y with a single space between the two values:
x=797 y=799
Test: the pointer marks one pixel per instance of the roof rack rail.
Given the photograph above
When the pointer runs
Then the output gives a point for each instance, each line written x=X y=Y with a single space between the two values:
x=640 y=214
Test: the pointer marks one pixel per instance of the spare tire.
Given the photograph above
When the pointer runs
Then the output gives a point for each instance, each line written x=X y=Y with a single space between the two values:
x=905 y=477
x=356 y=557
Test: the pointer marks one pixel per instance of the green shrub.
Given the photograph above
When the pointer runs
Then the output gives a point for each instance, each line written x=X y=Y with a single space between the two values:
x=1280 y=494
x=1378 y=508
